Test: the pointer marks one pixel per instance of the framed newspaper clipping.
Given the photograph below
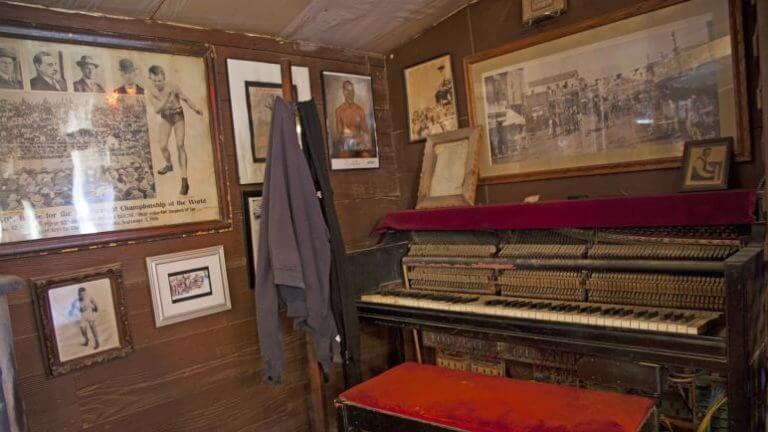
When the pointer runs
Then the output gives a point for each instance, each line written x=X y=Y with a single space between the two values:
x=621 y=92
x=104 y=140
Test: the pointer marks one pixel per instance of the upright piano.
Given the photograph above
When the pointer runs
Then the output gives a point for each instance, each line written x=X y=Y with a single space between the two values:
x=661 y=296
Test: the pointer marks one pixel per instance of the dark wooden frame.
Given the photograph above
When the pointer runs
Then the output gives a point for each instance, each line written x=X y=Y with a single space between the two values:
x=736 y=20
x=714 y=142
x=112 y=238
x=40 y=289
x=405 y=92
x=250 y=261
x=469 y=188
x=373 y=130
x=248 y=86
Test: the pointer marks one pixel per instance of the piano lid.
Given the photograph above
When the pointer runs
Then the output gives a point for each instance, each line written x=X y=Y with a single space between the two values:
x=731 y=207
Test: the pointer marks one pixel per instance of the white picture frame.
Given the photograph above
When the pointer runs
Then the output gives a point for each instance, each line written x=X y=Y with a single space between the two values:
x=250 y=170
x=187 y=285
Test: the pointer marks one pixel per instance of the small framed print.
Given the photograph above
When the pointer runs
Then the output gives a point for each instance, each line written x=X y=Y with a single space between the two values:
x=82 y=318
x=706 y=164
x=449 y=169
x=350 y=121
x=535 y=10
x=252 y=214
x=253 y=87
x=430 y=97
x=188 y=285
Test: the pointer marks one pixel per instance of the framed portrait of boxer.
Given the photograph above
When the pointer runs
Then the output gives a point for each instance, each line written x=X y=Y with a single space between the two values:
x=82 y=317
x=107 y=140
x=350 y=121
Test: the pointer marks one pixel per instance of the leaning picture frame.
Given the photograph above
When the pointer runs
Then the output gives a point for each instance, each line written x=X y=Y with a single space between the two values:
x=449 y=169
x=82 y=318
x=97 y=157
x=615 y=93
x=189 y=284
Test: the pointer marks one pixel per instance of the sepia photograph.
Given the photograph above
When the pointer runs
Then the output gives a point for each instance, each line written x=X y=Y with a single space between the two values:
x=431 y=98
x=350 y=121
x=251 y=134
x=48 y=67
x=126 y=143
x=83 y=318
x=585 y=103
x=260 y=98
x=189 y=284
x=90 y=74
x=10 y=69
x=706 y=164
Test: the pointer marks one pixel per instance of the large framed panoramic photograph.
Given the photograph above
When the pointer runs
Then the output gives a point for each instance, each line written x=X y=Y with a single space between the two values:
x=618 y=93
x=189 y=284
x=253 y=87
x=350 y=121
x=430 y=98
x=82 y=317
x=112 y=140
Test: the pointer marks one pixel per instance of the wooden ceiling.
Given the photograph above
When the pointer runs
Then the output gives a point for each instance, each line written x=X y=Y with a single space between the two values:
x=367 y=25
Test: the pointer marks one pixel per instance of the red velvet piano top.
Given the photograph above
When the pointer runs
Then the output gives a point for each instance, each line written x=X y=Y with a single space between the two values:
x=472 y=402
x=731 y=207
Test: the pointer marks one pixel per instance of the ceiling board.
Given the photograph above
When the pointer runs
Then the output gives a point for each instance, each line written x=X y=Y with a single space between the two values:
x=251 y=16
x=128 y=8
x=367 y=25
x=370 y=25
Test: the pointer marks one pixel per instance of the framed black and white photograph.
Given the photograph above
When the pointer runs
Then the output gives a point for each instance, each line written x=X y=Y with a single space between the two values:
x=82 y=317
x=622 y=94
x=430 y=97
x=536 y=10
x=252 y=215
x=707 y=164
x=104 y=143
x=189 y=284
x=350 y=121
x=449 y=169
x=253 y=87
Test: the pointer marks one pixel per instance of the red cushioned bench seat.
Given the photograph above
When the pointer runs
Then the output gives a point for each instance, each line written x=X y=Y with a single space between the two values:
x=415 y=398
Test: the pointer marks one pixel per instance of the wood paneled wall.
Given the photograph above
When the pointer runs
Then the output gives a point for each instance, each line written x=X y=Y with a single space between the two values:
x=491 y=23
x=204 y=374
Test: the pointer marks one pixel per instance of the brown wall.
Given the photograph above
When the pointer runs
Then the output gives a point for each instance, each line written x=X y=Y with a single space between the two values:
x=204 y=374
x=491 y=23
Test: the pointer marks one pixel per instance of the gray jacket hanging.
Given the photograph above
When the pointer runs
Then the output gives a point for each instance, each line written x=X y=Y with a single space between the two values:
x=294 y=258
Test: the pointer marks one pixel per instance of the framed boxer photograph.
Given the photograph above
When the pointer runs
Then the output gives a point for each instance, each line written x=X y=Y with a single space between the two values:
x=253 y=86
x=82 y=318
x=350 y=121
x=189 y=284
x=430 y=97
x=252 y=215
x=108 y=139
x=707 y=164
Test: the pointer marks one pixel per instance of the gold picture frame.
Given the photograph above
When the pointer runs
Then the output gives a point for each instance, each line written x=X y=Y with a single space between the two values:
x=536 y=10
x=449 y=169
x=569 y=102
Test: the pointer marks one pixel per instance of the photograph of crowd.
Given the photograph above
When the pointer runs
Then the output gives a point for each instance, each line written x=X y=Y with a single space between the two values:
x=594 y=100
x=189 y=284
x=41 y=135
x=431 y=98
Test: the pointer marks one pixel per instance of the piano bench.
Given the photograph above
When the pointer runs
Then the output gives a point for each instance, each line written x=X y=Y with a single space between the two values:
x=424 y=398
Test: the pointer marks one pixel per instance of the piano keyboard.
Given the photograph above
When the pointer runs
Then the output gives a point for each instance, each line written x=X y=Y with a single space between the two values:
x=590 y=314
